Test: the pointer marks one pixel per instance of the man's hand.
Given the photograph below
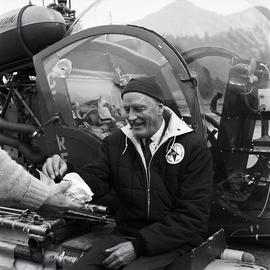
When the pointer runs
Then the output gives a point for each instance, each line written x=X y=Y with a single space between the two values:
x=57 y=199
x=121 y=255
x=54 y=167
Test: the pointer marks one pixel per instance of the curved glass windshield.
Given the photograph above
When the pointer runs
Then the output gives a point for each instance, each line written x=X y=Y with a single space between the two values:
x=86 y=79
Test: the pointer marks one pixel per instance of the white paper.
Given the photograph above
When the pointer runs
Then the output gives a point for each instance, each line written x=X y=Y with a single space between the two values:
x=79 y=190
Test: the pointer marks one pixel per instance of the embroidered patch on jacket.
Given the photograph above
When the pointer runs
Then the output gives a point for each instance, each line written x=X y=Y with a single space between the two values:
x=175 y=154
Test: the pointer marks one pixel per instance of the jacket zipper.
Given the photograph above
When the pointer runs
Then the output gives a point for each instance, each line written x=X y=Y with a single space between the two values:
x=148 y=174
x=148 y=182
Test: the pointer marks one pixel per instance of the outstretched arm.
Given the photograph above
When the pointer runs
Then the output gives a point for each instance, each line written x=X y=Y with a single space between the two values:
x=20 y=188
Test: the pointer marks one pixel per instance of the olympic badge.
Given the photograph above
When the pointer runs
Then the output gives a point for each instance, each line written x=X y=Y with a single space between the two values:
x=175 y=154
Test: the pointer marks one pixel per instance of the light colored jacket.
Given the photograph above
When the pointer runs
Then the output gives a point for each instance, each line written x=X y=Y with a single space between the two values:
x=19 y=188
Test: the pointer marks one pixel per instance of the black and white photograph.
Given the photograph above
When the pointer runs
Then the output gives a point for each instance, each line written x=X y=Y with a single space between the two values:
x=134 y=135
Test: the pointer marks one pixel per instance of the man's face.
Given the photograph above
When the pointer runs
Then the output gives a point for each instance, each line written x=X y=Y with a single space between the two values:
x=144 y=114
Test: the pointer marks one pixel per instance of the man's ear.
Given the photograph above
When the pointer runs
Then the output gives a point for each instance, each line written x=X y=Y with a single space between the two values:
x=160 y=108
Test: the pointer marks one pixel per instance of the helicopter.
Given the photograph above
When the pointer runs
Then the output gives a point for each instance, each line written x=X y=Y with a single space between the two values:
x=61 y=91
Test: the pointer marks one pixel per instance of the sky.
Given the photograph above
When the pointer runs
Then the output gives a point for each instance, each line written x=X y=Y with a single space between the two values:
x=229 y=6
x=80 y=5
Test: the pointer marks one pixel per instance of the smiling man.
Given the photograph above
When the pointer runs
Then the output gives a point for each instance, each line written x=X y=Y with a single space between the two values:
x=161 y=171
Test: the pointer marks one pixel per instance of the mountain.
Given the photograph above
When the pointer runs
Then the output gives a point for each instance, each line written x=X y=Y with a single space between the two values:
x=244 y=33
x=193 y=20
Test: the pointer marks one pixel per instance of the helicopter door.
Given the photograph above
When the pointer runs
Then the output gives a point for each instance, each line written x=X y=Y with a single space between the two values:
x=81 y=78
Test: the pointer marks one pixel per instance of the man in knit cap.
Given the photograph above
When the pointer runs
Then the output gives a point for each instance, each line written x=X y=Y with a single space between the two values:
x=161 y=171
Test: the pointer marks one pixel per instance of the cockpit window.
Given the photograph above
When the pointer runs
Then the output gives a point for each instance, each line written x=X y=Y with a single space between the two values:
x=86 y=79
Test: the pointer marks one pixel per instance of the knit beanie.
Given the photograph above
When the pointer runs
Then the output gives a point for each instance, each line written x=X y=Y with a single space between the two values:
x=144 y=85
